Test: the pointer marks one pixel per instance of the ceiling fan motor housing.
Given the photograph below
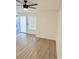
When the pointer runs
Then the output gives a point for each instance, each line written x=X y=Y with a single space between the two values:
x=25 y=6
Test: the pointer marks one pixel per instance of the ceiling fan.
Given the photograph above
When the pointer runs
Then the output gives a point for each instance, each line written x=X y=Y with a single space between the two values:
x=26 y=6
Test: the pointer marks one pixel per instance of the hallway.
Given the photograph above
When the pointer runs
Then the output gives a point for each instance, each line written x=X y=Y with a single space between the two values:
x=30 y=47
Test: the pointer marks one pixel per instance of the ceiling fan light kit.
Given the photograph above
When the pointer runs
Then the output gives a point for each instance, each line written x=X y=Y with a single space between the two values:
x=25 y=9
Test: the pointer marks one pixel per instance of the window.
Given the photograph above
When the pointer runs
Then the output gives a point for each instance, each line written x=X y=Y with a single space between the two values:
x=25 y=24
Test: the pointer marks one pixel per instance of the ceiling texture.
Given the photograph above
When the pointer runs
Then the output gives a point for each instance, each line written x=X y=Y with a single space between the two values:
x=43 y=5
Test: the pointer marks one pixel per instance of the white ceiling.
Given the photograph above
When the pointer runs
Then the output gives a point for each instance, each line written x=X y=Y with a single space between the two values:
x=52 y=5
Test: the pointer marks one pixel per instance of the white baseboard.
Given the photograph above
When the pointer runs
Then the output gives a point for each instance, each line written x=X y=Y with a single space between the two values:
x=41 y=36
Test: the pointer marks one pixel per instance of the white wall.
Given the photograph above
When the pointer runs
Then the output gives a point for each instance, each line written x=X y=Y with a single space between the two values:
x=46 y=24
x=46 y=18
x=59 y=35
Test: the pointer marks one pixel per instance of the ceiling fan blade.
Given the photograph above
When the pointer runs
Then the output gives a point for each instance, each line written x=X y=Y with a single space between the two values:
x=32 y=7
x=32 y=4
x=19 y=1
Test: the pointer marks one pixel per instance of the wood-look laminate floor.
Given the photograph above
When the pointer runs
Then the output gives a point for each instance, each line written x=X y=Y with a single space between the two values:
x=30 y=47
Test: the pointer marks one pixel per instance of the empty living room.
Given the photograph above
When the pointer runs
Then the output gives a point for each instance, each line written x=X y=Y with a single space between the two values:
x=38 y=29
